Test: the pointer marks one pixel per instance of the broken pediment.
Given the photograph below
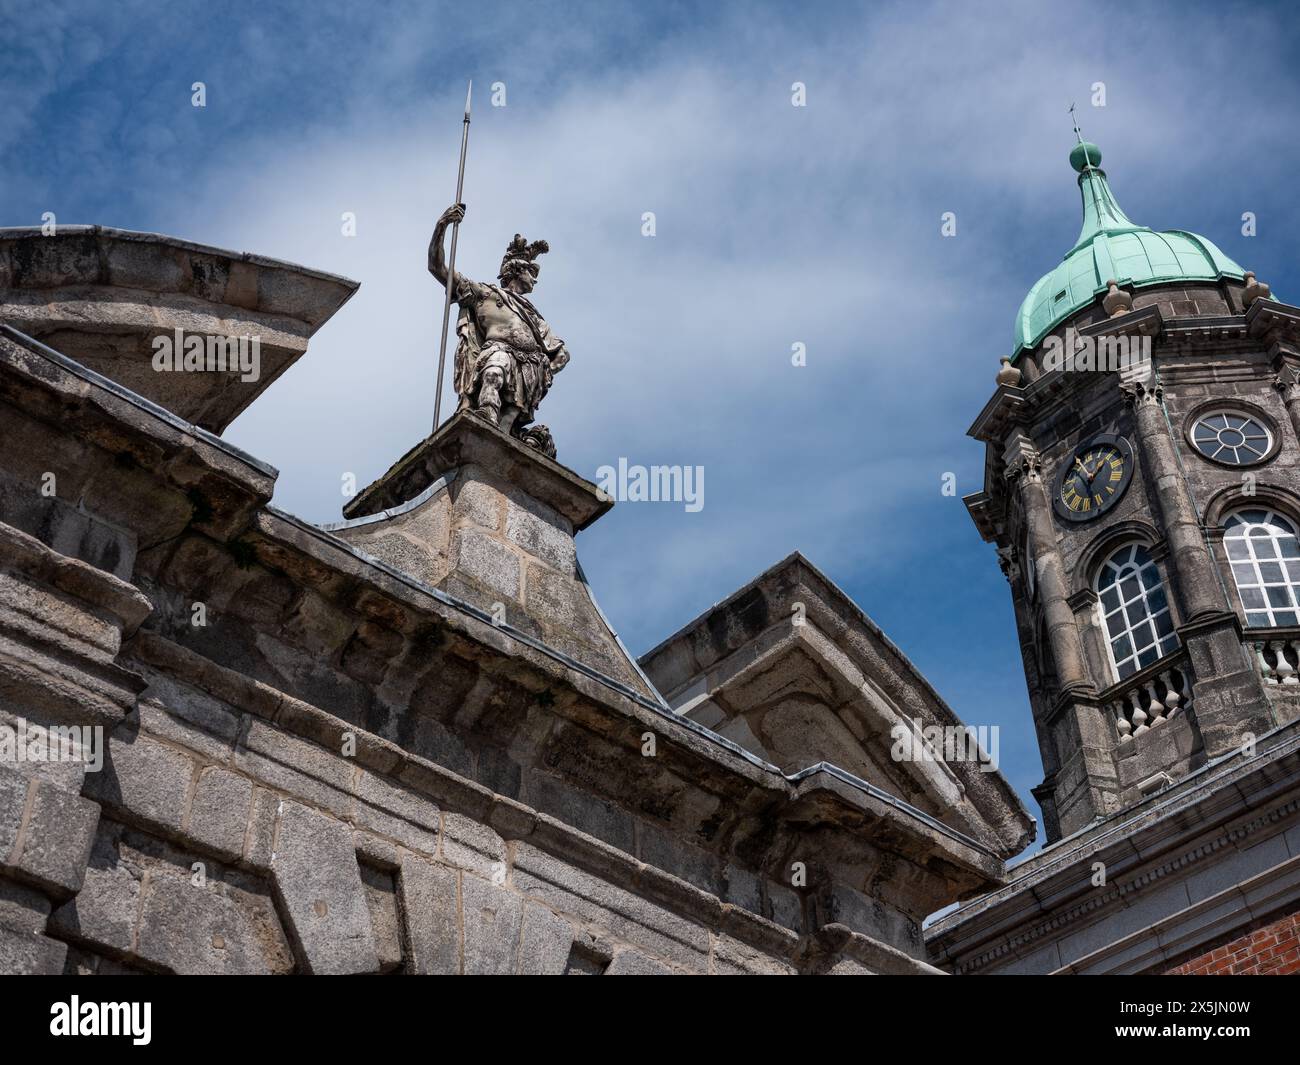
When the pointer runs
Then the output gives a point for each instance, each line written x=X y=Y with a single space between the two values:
x=135 y=306
x=791 y=669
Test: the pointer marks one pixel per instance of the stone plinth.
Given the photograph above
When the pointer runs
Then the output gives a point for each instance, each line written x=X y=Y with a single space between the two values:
x=479 y=515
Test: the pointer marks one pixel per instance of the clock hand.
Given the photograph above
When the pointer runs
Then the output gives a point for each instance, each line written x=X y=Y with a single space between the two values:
x=1092 y=477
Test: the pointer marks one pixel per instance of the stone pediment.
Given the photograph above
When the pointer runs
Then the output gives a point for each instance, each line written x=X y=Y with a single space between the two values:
x=791 y=669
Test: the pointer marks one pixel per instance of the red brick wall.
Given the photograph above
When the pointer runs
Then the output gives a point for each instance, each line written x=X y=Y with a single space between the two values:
x=1271 y=949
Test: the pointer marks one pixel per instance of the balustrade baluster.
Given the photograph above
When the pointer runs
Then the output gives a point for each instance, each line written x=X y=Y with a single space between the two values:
x=1173 y=696
x=1265 y=670
x=1284 y=667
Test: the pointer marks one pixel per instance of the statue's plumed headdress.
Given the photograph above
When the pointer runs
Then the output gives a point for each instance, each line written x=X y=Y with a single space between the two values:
x=520 y=255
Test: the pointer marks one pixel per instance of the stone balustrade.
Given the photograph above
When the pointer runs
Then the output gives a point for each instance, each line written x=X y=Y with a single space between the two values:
x=1278 y=658
x=1151 y=697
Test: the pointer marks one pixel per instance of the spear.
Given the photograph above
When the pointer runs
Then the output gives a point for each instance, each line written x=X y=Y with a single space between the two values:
x=451 y=265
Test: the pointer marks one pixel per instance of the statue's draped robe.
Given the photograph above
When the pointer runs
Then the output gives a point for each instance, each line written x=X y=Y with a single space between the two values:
x=529 y=373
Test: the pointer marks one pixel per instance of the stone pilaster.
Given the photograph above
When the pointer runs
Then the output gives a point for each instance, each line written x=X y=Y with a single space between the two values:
x=1084 y=785
x=1228 y=701
x=1025 y=472
x=1287 y=383
x=1200 y=592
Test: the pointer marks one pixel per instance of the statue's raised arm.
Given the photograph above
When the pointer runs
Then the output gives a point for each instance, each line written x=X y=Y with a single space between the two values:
x=453 y=215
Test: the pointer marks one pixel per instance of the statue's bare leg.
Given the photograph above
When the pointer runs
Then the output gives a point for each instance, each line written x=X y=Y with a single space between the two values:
x=509 y=412
x=489 y=395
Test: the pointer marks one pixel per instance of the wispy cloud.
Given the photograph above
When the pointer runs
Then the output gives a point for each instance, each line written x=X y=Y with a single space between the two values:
x=775 y=225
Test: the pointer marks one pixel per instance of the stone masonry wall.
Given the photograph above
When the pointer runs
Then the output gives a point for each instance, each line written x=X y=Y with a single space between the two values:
x=344 y=770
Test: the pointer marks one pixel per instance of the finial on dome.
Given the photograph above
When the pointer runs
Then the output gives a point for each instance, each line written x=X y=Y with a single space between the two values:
x=1116 y=301
x=1085 y=156
x=1255 y=290
x=1008 y=375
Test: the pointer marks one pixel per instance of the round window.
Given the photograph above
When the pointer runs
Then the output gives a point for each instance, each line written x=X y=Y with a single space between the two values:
x=1231 y=437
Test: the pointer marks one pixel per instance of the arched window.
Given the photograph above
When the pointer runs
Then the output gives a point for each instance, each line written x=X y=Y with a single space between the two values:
x=1134 y=610
x=1265 y=558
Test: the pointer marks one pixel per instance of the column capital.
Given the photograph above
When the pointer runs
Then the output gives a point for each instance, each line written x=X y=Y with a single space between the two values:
x=1009 y=563
x=1287 y=382
x=1140 y=394
x=1024 y=462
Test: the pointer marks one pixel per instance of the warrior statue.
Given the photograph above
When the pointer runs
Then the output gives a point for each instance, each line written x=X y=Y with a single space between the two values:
x=507 y=354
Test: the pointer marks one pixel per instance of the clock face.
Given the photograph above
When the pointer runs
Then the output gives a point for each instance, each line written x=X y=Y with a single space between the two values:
x=1093 y=478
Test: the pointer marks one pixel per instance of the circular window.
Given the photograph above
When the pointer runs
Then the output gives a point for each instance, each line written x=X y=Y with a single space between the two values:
x=1231 y=437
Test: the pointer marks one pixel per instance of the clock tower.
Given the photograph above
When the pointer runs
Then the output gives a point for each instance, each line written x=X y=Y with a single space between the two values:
x=1142 y=485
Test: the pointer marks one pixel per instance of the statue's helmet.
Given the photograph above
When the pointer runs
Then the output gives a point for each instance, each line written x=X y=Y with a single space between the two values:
x=521 y=256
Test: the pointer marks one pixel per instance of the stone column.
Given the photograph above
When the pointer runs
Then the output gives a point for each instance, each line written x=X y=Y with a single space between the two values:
x=1287 y=382
x=1200 y=592
x=1228 y=701
x=1025 y=472
x=1081 y=781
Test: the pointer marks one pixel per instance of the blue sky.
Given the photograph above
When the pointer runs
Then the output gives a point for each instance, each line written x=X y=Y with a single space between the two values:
x=776 y=225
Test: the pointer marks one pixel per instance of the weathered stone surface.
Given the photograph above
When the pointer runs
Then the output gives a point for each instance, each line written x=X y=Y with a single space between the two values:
x=104 y=912
x=28 y=954
x=14 y=787
x=472 y=846
x=22 y=909
x=545 y=944
x=392 y=810
x=187 y=717
x=492 y=919
x=630 y=963
x=430 y=896
x=315 y=870
x=260 y=835
x=205 y=930
x=488 y=561
x=144 y=779
x=542 y=533
x=478 y=503
x=381 y=895
x=626 y=915
x=733 y=958
x=45 y=832
x=219 y=811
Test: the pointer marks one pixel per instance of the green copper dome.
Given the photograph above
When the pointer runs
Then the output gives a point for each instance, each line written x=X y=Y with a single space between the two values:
x=1110 y=245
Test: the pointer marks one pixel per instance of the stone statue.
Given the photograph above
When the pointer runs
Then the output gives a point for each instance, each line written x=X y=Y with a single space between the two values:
x=507 y=355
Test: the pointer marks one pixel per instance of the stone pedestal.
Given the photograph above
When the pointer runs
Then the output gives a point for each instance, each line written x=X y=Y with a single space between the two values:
x=475 y=513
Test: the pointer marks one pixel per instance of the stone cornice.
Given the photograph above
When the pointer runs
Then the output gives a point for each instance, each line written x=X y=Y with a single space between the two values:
x=1160 y=837
x=1272 y=319
x=848 y=799
x=112 y=292
x=465 y=440
x=514 y=821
